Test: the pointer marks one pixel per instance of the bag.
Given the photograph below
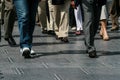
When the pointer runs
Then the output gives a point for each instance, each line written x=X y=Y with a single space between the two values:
x=57 y=2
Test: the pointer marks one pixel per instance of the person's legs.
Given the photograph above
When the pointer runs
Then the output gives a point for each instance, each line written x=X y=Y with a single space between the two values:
x=115 y=24
x=9 y=19
x=64 y=19
x=72 y=21
x=115 y=13
x=26 y=12
x=78 y=17
x=32 y=10
x=103 y=23
x=51 y=26
x=103 y=30
x=91 y=13
x=42 y=15
x=22 y=9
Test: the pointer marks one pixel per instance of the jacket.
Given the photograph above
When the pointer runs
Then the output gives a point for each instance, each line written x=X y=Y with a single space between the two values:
x=99 y=2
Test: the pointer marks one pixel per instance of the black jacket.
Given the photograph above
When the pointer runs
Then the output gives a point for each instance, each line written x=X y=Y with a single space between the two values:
x=99 y=2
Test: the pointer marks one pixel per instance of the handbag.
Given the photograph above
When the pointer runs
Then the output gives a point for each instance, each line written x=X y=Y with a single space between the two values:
x=57 y=2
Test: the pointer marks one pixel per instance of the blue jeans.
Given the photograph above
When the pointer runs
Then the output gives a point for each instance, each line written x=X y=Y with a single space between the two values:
x=26 y=13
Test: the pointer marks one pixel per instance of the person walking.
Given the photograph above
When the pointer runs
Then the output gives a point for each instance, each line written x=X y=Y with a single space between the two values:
x=115 y=14
x=61 y=20
x=78 y=18
x=42 y=16
x=50 y=17
x=103 y=23
x=9 y=20
x=91 y=18
x=26 y=13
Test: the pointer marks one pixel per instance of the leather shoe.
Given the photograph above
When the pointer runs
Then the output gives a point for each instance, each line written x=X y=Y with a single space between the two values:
x=65 y=39
x=11 y=41
x=50 y=32
x=92 y=54
x=44 y=31
x=58 y=38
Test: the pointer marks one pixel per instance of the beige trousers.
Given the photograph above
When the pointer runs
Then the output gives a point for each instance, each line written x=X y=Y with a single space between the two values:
x=61 y=17
x=51 y=10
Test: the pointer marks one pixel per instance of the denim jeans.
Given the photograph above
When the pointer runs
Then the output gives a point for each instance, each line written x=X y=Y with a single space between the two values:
x=26 y=13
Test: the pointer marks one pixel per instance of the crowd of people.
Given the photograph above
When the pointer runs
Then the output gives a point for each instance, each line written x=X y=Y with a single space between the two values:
x=55 y=17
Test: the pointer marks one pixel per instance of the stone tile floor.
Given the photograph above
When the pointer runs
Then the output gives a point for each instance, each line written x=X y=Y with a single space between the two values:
x=59 y=61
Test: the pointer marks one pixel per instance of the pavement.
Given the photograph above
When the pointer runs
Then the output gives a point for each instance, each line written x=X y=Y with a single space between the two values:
x=61 y=61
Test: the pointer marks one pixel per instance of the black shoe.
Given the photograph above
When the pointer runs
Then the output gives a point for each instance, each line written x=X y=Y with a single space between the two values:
x=44 y=31
x=11 y=41
x=92 y=54
x=64 y=39
x=26 y=53
x=51 y=32
x=58 y=38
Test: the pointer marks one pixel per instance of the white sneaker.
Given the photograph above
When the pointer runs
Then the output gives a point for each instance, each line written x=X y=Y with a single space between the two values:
x=31 y=52
x=26 y=52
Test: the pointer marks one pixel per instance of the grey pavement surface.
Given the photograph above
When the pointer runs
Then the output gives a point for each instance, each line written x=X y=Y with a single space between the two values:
x=60 y=61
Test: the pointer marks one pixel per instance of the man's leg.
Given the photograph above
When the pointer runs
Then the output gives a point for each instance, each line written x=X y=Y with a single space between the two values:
x=90 y=24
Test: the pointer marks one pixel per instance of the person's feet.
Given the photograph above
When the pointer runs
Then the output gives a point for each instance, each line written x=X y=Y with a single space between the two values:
x=115 y=28
x=10 y=41
x=26 y=52
x=78 y=32
x=51 y=32
x=63 y=39
x=44 y=31
x=104 y=35
x=92 y=53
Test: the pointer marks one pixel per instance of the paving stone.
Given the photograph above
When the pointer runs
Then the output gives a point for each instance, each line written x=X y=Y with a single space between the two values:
x=59 y=61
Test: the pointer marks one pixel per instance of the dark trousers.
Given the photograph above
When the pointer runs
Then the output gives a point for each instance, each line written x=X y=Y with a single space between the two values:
x=9 y=19
x=8 y=16
x=72 y=21
x=91 y=17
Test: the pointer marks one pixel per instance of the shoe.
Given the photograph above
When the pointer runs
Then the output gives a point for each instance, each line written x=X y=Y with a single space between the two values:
x=26 y=52
x=10 y=41
x=78 y=32
x=114 y=28
x=58 y=38
x=65 y=39
x=32 y=52
x=92 y=54
x=73 y=28
x=44 y=31
x=51 y=32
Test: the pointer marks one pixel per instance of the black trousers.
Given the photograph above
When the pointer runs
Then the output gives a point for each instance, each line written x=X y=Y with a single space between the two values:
x=72 y=21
